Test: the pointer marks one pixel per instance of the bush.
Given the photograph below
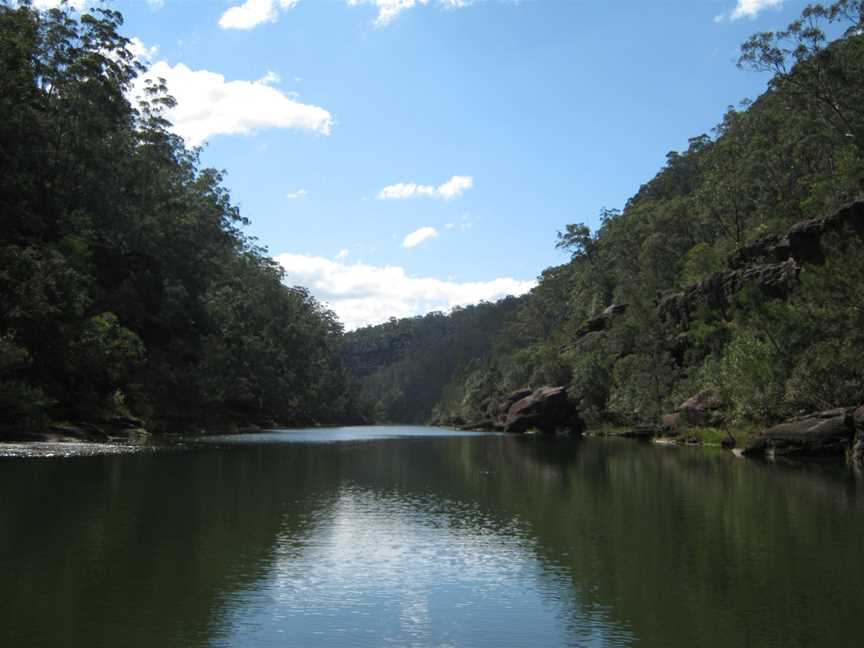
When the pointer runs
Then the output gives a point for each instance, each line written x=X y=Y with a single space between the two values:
x=22 y=405
x=749 y=375
x=827 y=375
x=591 y=382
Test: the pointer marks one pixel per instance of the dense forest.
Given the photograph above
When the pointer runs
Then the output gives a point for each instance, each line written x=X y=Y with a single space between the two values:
x=127 y=286
x=693 y=286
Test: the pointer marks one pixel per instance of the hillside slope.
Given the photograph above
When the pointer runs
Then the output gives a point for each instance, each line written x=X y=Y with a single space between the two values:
x=695 y=285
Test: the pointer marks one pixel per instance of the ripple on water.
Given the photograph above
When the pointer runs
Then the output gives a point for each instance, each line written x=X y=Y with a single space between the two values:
x=47 y=449
x=382 y=569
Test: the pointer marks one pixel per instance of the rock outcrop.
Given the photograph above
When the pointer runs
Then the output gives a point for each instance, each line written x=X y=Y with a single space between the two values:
x=771 y=265
x=803 y=242
x=828 y=433
x=702 y=410
x=547 y=409
x=115 y=429
x=858 y=448
x=602 y=321
x=774 y=280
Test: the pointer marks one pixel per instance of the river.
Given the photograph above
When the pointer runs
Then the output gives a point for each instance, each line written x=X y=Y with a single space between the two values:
x=411 y=536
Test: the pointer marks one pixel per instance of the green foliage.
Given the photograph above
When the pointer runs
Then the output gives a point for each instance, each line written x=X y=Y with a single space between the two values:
x=641 y=383
x=592 y=383
x=20 y=403
x=405 y=364
x=701 y=262
x=749 y=375
x=126 y=281
x=828 y=374
x=107 y=351
x=576 y=239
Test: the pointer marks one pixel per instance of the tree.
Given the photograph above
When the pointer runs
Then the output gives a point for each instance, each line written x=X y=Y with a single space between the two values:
x=821 y=74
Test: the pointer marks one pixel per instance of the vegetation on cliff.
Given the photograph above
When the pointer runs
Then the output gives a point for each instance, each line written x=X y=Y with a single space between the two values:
x=670 y=297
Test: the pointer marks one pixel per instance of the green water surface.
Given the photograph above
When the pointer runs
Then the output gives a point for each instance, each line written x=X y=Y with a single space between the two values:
x=400 y=536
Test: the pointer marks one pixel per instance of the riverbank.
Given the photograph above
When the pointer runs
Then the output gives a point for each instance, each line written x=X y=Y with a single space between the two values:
x=126 y=435
x=834 y=434
x=726 y=437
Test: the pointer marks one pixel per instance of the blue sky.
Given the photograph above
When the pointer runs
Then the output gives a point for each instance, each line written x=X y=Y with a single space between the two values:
x=400 y=156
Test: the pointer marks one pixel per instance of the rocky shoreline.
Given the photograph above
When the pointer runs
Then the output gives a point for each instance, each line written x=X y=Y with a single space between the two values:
x=837 y=433
x=699 y=420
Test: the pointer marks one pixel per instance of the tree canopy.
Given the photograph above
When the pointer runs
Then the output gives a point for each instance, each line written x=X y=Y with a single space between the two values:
x=127 y=284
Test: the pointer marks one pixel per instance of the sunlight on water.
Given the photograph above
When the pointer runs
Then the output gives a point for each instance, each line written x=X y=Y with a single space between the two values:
x=389 y=569
x=339 y=434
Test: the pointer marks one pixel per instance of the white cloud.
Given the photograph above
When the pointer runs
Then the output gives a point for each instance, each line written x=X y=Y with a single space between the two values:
x=343 y=254
x=254 y=12
x=453 y=188
x=294 y=195
x=416 y=237
x=402 y=190
x=362 y=295
x=208 y=105
x=77 y=5
x=462 y=227
x=388 y=10
x=141 y=51
x=271 y=78
x=749 y=9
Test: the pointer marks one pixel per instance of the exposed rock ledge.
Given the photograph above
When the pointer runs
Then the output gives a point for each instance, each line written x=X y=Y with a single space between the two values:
x=772 y=264
x=547 y=409
x=828 y=433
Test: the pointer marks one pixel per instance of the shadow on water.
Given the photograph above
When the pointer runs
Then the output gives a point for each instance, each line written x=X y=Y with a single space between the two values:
x=464 y=540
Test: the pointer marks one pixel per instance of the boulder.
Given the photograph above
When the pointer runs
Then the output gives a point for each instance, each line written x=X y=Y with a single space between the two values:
x=81 y=431
x=125 y=422
x=482 y=426
x=502 y=407
x=828 y=433
x=858 y=448
x=546 y=409
x=701 y=410
x=705 y=400
x=673 y=423
x=602 y=321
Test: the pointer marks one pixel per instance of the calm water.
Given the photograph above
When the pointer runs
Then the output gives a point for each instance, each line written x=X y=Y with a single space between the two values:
x=421 y=537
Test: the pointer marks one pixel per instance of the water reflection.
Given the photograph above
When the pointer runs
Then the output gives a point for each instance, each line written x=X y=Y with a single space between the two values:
x=386 y=568
x=390 y=537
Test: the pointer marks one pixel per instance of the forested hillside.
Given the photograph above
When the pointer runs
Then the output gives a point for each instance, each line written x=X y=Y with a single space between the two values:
x=684 y=289
x=402 y=365
x=127 y=286
x=129 y=289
